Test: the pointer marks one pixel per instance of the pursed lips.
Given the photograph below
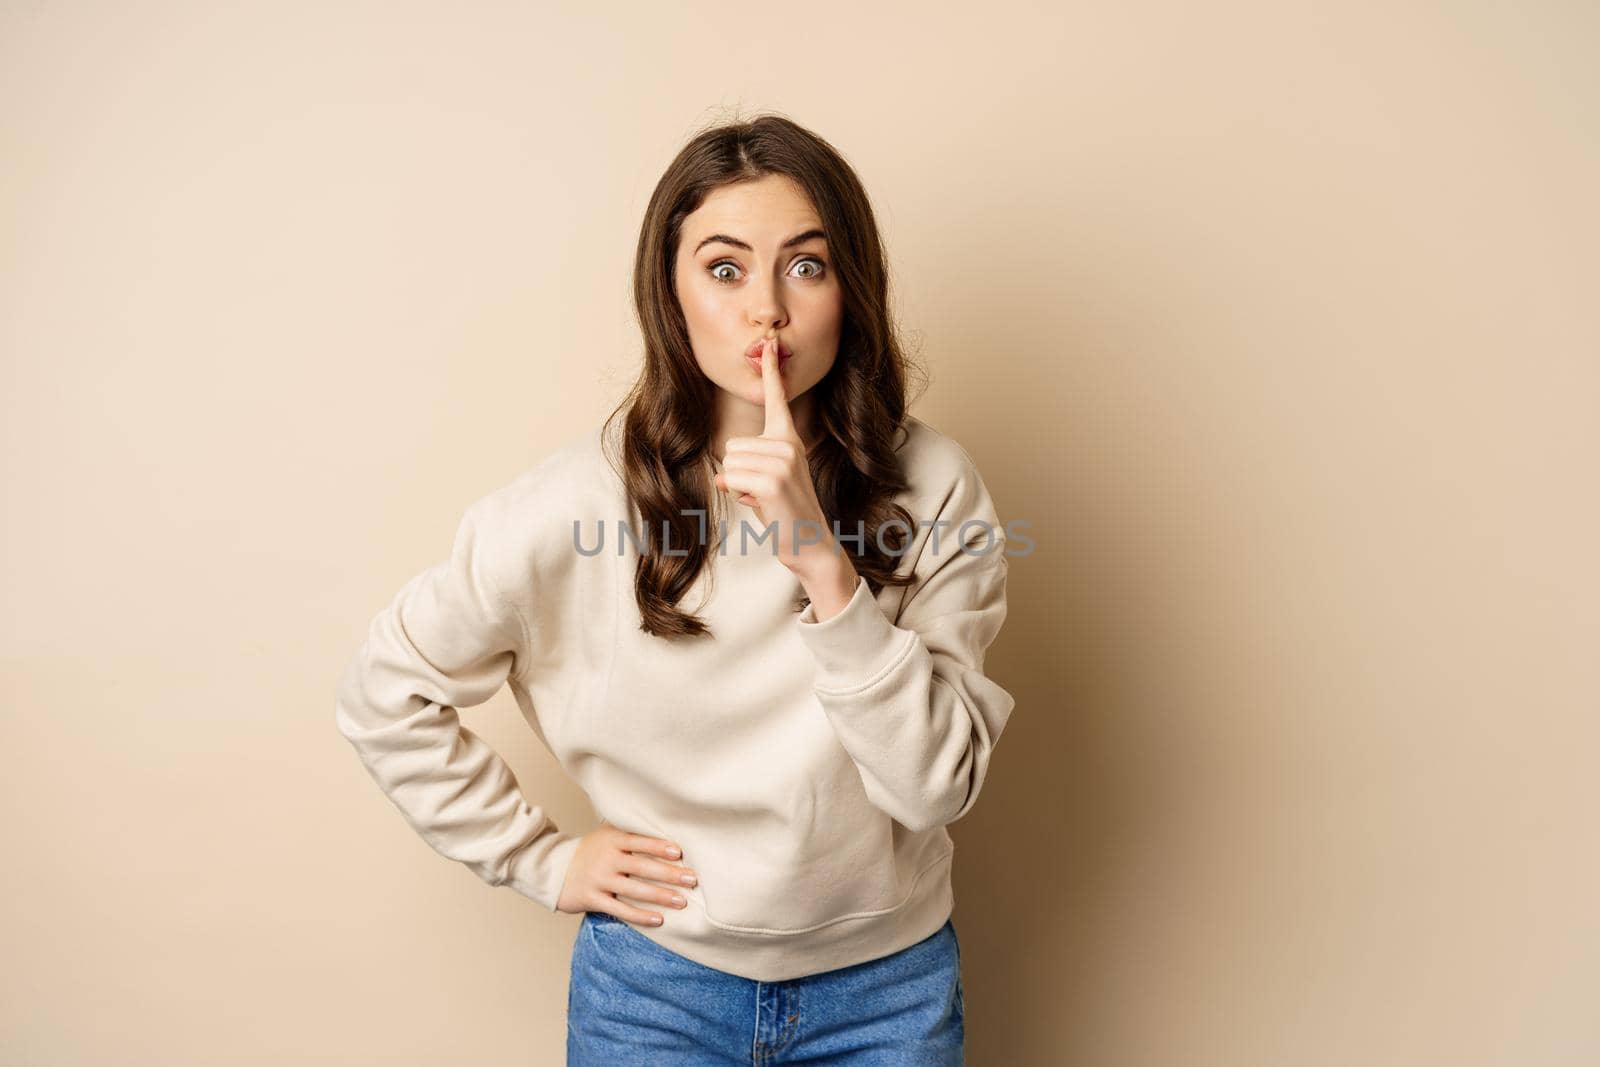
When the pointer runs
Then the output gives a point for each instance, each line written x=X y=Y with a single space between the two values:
x=754 y=351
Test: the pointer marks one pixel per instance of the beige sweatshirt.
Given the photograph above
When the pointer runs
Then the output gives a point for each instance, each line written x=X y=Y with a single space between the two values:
x=807 y=769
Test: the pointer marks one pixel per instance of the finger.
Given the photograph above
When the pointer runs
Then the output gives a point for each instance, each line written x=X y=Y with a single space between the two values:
x=634 y=889
x=779 y=423
x=766 y=446
x=722 y=484
x=759 y=462
x=661 y=872
x=755 y=483
x=654 y=846
x=631 y=914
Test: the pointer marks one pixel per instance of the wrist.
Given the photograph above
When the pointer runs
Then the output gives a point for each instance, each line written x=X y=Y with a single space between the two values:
x=829 y=582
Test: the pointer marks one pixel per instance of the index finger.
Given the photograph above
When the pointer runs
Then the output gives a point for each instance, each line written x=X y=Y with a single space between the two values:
x=779 y=424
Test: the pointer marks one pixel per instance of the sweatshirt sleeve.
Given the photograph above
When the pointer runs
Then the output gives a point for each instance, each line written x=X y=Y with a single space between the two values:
x=909 y=699
x=450 y=639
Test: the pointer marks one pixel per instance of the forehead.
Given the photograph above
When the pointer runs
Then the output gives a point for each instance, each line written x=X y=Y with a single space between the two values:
x=764 y=211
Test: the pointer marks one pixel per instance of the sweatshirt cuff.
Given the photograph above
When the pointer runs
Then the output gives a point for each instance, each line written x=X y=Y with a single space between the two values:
x=539 y=871
x=857 y=647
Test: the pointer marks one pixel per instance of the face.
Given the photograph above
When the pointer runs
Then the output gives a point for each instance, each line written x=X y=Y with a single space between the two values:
x=741 y=274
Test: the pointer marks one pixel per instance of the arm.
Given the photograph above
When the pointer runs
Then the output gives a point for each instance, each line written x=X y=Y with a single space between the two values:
x=450 y=639
x=909 y=700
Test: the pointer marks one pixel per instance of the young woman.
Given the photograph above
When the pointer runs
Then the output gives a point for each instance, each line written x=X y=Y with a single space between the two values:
x=749 y=618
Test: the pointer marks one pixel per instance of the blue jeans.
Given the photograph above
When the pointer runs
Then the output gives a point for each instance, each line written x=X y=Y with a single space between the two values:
x=630 y=1001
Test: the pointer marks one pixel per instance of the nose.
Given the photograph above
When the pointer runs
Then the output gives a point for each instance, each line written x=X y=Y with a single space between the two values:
x=766 y=311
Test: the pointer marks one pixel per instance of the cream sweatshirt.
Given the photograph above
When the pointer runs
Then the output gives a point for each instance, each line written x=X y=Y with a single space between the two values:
x=808 y=769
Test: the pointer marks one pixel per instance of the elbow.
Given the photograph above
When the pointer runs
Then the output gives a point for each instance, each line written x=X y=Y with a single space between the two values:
x=929 y=810
x=354 y=711
x=936 y=794
x=920 y=821
x=343 y=723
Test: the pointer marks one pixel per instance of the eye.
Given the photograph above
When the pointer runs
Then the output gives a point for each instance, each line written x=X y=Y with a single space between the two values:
x=816 y=271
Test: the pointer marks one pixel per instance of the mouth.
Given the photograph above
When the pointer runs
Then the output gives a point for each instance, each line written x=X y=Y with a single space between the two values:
x=754 y=362
x=754 y=352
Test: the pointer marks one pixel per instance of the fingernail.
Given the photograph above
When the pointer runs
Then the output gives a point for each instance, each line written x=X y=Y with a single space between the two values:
x=674 y=851
x=679 y=901
x=687 y=879
x=655 y=920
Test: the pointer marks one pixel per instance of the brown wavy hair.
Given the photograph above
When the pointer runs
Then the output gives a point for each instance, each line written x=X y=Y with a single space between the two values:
x=861 y=403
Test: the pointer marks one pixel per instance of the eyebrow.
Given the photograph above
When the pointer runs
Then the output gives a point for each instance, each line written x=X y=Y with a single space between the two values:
x=798 y=238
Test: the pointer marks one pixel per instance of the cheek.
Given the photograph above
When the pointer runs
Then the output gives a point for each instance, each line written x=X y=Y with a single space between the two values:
x=827 y=308
x=692 y=295
x=702 y=310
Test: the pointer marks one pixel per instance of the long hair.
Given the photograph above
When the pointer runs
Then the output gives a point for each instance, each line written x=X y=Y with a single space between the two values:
x=860 y=403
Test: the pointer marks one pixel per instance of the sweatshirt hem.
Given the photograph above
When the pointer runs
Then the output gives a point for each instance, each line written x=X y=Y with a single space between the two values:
x=784 y=955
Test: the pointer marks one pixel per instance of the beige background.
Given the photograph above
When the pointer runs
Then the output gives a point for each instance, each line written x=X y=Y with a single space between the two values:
x=1276 y=320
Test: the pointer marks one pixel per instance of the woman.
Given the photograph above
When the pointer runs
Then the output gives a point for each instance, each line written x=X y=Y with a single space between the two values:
x=769 y=681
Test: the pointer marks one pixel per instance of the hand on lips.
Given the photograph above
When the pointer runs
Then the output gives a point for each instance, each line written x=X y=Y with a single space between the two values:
x=772 y=475
x=753 y=353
